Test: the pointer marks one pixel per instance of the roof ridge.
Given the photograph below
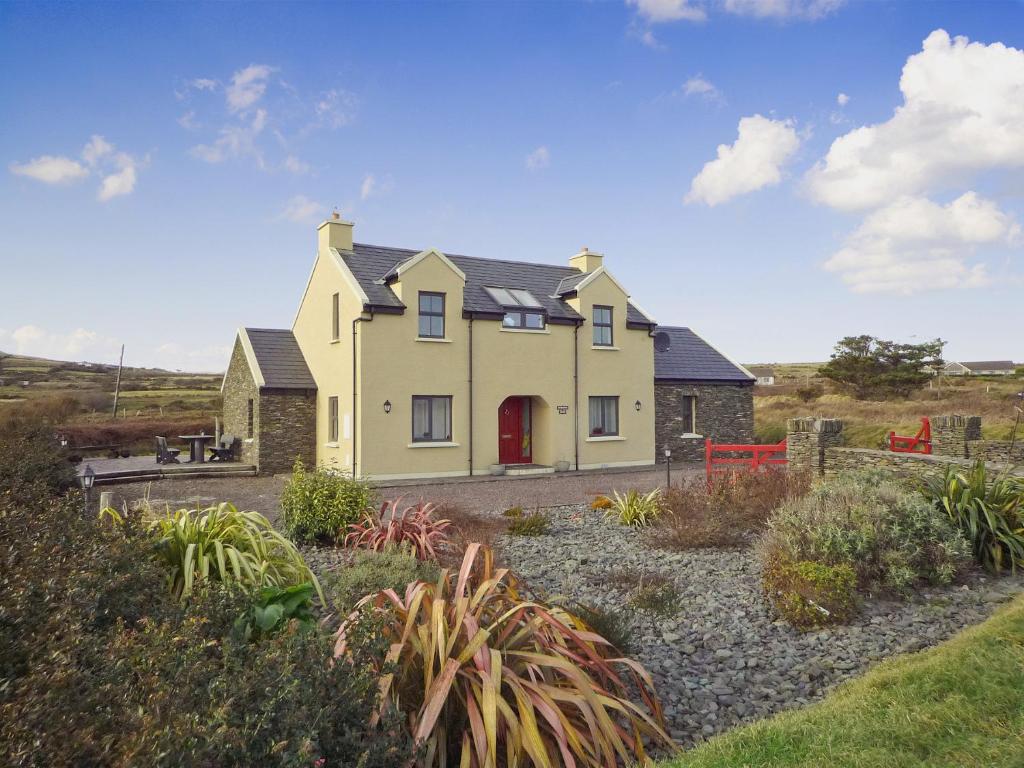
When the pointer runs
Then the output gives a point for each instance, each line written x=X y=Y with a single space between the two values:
x=471 y=258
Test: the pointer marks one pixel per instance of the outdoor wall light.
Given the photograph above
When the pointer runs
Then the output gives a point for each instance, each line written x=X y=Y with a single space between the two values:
x=63 y=441
x=387 y=406
x=637 y=405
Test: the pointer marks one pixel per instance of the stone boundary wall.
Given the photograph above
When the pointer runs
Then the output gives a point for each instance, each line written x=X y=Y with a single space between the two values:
x=816 y=446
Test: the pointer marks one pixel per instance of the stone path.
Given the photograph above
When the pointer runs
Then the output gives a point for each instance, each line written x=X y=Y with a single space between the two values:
x=722 y=658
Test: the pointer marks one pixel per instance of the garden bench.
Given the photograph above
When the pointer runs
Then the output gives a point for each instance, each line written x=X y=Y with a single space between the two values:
x=225 y=451
x=165 y=455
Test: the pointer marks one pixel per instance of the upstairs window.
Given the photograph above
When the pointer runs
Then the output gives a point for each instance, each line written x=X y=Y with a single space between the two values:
x=604 y=416
x=431 y=315
x=602 y=326
x=431 y=418
x=531 y=320
x=335 y=317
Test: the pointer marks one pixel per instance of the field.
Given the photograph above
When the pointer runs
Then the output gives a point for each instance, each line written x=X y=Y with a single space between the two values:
x=868 y=422
x=78 y=397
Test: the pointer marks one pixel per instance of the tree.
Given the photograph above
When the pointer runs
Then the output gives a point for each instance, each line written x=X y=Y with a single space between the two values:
x=873 y=368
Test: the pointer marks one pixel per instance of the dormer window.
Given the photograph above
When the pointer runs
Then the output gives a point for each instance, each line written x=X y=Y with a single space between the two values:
x=522 y=310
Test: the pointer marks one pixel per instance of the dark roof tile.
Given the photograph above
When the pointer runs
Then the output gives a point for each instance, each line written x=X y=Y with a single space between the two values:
x=689 y=358
x=280 y=360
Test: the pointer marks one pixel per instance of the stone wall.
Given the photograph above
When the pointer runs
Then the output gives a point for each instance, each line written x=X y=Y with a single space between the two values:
x=287 y=429
x=997 y=450
x=806 y=442
x=725 y=413
x=911 y=466
x=239 y=388
x=951 y=433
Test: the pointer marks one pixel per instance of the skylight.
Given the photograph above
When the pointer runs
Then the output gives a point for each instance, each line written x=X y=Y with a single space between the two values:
x=512 y=297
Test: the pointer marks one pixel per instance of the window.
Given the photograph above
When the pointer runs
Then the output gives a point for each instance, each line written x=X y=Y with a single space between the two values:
x=602 y=326
x=689 y=414
x=531 y=320
x=431 y=315
x=250 y=418
x=332 y=419
x=335 y=318
x=513 y=297
x=431 y=418
x=604 y=416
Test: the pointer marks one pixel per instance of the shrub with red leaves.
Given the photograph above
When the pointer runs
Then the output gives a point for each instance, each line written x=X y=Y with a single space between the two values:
x=414 y=525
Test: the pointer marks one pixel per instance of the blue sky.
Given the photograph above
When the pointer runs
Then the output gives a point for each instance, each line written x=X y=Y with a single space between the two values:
x=750 y=168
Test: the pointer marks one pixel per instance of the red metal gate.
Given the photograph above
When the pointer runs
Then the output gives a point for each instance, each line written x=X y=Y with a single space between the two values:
x=760 y=456
x=919 y=443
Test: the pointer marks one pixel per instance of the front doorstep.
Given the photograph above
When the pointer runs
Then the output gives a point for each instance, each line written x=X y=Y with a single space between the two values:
x=518 y=470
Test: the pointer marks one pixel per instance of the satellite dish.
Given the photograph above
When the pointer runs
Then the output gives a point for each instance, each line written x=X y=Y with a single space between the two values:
x=662 y=342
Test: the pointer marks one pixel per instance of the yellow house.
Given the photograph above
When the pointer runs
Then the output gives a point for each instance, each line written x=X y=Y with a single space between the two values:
x=427 y=364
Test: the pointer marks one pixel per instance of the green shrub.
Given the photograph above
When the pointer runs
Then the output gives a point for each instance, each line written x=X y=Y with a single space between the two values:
x=989 y=512
x=613 y=624
x=811 y=595
x=658 y=598
x=30 y=458
x=891 y=537
x=369 y=572
x=100 y=665
x=513 y=512
x=273 y=609
x=534 y=524
x=635 y=508
x=320 y=504
x=223 y=544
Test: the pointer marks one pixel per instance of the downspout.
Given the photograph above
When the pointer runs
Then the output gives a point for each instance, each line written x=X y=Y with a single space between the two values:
x=470 y=395
x=576 y=392
x=355 y=431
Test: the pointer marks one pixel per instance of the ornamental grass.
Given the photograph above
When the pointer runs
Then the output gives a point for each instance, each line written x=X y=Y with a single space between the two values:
x=484 y=677
x=414 y=526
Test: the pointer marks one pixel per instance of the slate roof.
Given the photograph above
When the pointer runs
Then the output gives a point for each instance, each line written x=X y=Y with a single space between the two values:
x=690 y=358
x=372 y=265
x=761 y=370
x=279 y=358
x=990 y=365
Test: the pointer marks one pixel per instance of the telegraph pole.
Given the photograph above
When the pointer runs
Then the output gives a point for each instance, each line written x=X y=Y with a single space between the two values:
x=117 y=383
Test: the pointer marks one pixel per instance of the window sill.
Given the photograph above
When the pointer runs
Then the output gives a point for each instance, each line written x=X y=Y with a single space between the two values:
x=543 y=331
x=433 y=341
x=604 y=438
x=330 y=445
x=249 y=440
x=335 y=341
x=605 y=347
x=691 y=435
x=428 y=444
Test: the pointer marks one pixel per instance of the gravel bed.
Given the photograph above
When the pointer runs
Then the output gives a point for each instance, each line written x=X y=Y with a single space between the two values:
x=723 y=658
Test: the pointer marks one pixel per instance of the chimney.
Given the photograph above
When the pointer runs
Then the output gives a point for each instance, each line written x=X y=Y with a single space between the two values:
x=335 y=233
x=586 y=261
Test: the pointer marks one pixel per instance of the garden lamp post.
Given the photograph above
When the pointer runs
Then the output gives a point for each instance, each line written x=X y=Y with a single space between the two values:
x=86 y=480
x=668 y=467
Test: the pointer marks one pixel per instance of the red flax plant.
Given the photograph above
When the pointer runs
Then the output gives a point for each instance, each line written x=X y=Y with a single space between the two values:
x=485 y=677
x=413 y=526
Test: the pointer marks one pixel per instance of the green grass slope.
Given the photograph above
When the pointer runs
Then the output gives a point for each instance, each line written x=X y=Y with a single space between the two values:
x=960 y=704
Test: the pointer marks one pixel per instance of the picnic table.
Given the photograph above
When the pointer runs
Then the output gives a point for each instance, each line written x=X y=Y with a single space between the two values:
x=196 y=446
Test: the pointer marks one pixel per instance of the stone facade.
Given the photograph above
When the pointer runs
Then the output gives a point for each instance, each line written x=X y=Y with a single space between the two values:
x=725 y=413
x=912 y=466
x=951 y=433
x=284 y=420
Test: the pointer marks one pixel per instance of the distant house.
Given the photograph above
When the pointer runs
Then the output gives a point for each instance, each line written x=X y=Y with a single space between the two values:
x=764 y=374
x=980 y=368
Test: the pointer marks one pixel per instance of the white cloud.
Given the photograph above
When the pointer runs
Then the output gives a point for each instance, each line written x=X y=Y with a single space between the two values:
x=373 y=186
x=295 y=165
x=335 y=108
x=247 y=87
x=538 y=159
x=235 y=140
x=842 y=99
x=301 y=209
x=699 y=86
x=962 y=114
x=116 y=184
x=661 y=11
x=914 y=244
x=783 y=9
x=78 y=344
x=51 y=169
x=204 y=84
x=753 y=161
x=188 y=121
x=96 y=149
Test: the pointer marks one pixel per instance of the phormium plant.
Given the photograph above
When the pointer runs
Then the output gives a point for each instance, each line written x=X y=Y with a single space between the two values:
x=415 y=526
x=485 y=677
x=635 y=508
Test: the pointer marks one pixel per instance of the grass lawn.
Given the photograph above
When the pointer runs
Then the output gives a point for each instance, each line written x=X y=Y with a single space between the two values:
x=959 y=704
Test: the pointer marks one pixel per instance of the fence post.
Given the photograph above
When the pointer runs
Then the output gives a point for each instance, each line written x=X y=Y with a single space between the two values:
x=806 y=441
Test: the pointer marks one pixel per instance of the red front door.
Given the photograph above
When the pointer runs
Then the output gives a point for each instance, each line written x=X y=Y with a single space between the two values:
x=515 y=441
